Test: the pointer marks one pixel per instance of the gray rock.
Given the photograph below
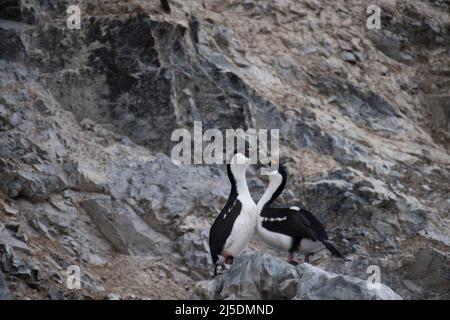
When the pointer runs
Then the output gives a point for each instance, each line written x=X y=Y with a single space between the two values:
x=35 y=186
x=124 y=229
x=56 y=294
x=348 y=56
x=195 y=249
x=204 y=290
x=7 y=238
x=82 y=177
x=259 y=276
x=90 y=284
x=4 y=291
x=11 y=263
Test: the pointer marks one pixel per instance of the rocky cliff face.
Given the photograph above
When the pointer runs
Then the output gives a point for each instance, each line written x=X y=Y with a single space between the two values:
x=86 y=116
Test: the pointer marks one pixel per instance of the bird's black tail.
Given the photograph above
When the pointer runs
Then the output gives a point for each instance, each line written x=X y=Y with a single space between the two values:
x=332 y=247
x=165 y=5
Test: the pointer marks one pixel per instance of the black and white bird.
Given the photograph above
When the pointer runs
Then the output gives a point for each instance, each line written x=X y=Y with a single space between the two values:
x=235 y=226
x=290 y=229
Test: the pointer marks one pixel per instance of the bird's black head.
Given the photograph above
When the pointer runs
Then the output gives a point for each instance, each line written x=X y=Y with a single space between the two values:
x=282 y=170
x=274 y=178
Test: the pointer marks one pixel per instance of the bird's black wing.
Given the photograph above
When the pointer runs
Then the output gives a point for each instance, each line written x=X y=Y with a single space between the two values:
x=316 y=225
x=288 y=222
x=222 y=226
x=297 y=224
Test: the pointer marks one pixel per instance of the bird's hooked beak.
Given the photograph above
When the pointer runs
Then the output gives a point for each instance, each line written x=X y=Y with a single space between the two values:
x=249 y=151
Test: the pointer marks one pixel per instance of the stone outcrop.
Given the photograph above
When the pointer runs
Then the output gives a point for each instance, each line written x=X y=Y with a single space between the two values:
x=259 y=276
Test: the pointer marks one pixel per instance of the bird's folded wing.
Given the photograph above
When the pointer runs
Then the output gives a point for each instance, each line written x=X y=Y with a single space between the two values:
x=288 y=222
x=222 y=227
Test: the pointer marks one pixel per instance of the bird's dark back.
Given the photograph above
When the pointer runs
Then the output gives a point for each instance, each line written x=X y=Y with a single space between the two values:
x=316 y=225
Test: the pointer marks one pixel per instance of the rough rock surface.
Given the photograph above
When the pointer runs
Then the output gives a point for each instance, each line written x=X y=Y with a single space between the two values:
x=86 y=117
x=4 y=291
x=259 y=276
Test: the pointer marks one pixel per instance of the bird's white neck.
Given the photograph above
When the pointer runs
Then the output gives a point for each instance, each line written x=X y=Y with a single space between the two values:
x=241 y=180
x=275 y=182
x=241 y=185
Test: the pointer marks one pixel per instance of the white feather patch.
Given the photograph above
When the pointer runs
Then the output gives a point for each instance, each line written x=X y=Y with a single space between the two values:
x=295 y=208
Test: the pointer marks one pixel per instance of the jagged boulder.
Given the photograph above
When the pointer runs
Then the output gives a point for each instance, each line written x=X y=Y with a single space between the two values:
x=123 y=228
x=260 y=276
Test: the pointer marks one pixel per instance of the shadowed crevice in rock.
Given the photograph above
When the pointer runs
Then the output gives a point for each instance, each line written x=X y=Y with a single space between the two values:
x=10 y=10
